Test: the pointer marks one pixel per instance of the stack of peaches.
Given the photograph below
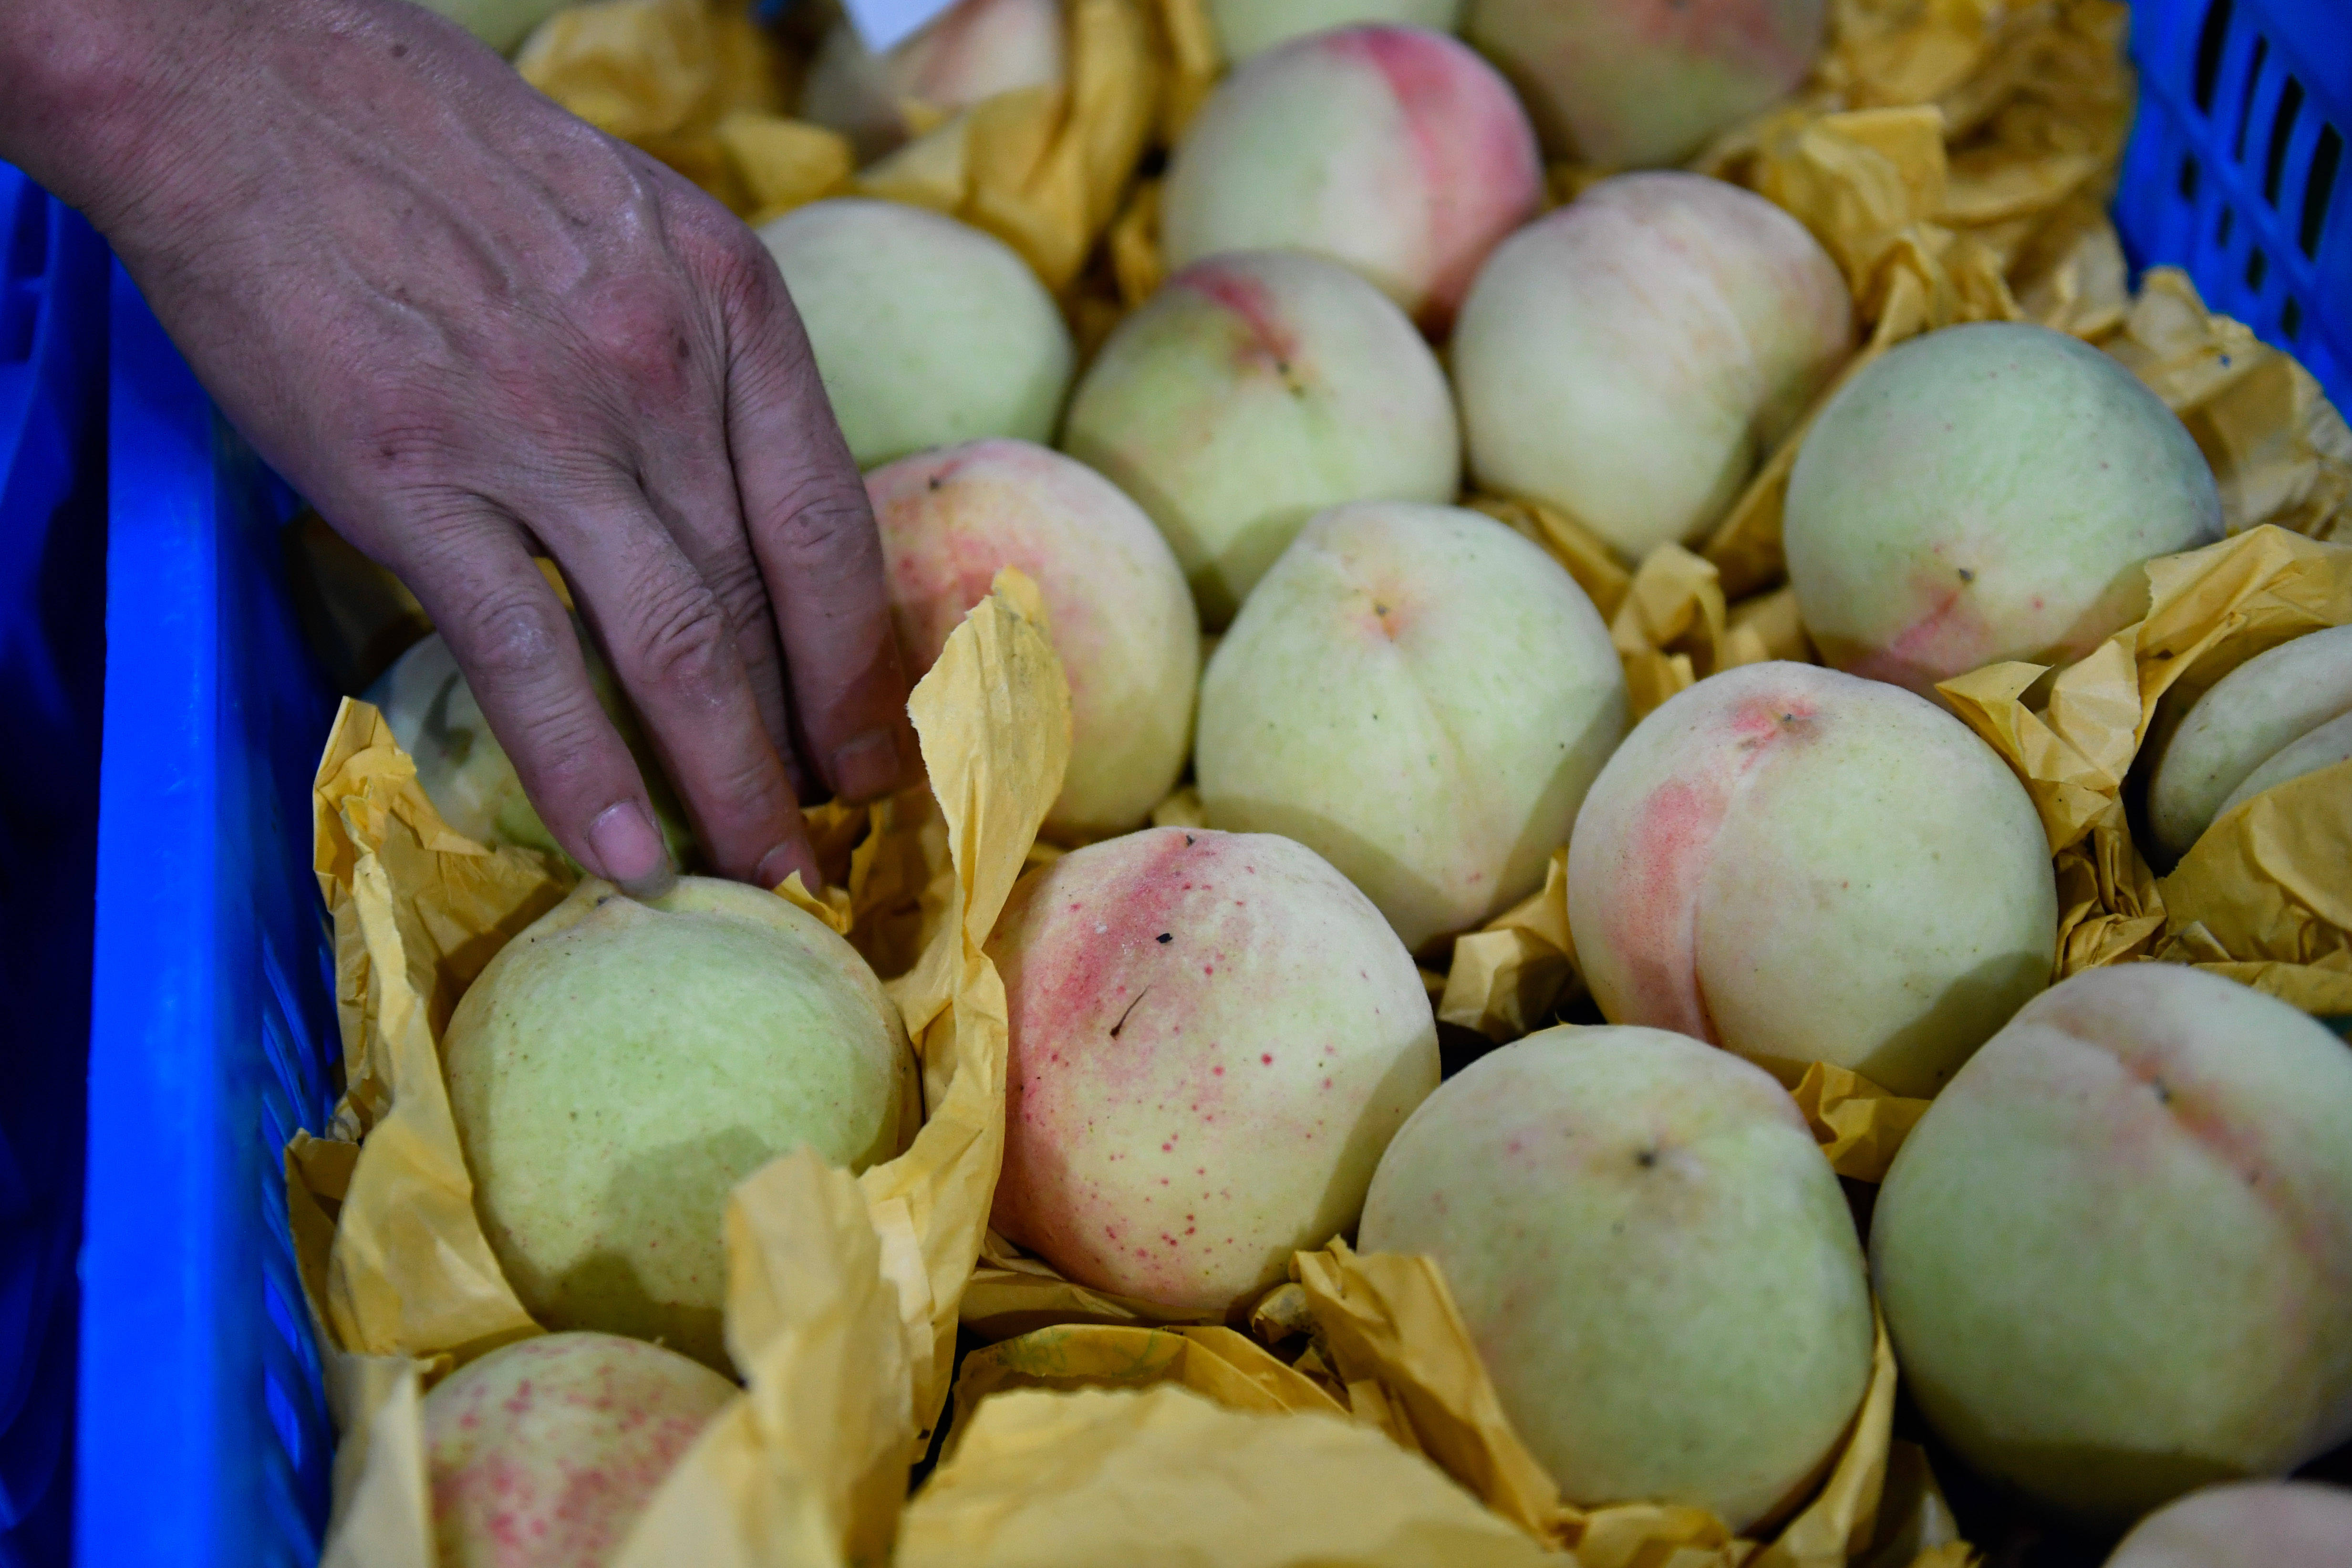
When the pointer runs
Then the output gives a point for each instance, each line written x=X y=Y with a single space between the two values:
x=2114 y=1256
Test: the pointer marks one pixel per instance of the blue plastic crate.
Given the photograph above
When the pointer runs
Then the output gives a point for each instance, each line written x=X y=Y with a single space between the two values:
x=2238 y=168
x=52 y=553
x=203 y=1440
x=203 y=1437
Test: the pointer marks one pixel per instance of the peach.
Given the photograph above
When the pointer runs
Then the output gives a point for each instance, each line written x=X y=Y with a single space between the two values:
x=468 y=776
x=1633 y=356
x=1214 y=1035
x=1247 y=28
x=619 y=1066
x=977 y=48
x=1396 y=150
x=1803 y=866
x=1982 y=493
x=1630 y=84
x=2277 y=1524
x=1121 y=617
x=2323 y=748
x=926 y=331
x=1655 y=1261
x=2245 y=719
x=541 y=1455
x=971 y=51
x=1250 y=393
x=1421 y=697
x=2116 y=1255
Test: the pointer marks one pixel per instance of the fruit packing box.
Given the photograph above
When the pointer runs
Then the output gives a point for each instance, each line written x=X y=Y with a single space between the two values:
x=204 y=1435
x=52 y=556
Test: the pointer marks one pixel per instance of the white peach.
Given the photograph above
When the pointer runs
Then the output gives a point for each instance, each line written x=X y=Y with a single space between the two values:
x=926 y=331
x=1421 y=697
x=1654 y=1260
x=2246 y=718
x=619 y=1066
x=1250 y=393
x=1120 y=614
x=541 y=1455
x=1213 y=1037
x=1803 y=866
x=2116 y=1255
x=1987 y=492
x=1631 y=358
x=1641 y=83
x=1394 y=150
x=1248 y=28
x=2275 y=1524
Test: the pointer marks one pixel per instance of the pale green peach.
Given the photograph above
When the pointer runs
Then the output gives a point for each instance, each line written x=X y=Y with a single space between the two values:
x=468 y=775
x=1803 y=866
x=2273 y=1524
x=619 y=1066
x=1214 y=1035
x=1641 y=83
x=1420 y=696
x=1120 y=616
x=1249 y=393
x=1396 y=150
x=2116 y=1256
x=1246 y=28
x=926 y=331
x=1982 y=493
x=1655 y=1261
x=970 y=52
x=543 y=1454
x=2244 y=721
x=1633 y=356
x=977 y=48
x=2323 y=748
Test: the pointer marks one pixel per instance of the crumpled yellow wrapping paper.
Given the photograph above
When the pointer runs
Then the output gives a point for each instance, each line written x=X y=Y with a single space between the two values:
x=698 y=84
x=1390 y=1332
x=1046 y=169
x=1163 y=1476
x=2262 y=896
x=843 y=1291
x=418 y=910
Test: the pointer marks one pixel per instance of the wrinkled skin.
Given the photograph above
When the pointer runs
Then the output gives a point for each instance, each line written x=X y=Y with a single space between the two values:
x=470 y=329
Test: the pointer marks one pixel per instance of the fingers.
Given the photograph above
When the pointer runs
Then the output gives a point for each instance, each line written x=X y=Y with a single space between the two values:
x=679 y=659
x=691 y=489
x=804 y=505
x=511 y=637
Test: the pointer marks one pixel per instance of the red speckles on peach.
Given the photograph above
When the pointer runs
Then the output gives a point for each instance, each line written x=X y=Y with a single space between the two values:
x=1267 y=1056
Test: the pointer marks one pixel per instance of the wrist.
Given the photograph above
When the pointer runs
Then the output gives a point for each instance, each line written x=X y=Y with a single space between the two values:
x=90 y=89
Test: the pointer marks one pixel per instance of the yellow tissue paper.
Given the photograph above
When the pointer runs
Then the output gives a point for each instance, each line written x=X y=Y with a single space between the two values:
x=1164 y=1477
x=843 y=1291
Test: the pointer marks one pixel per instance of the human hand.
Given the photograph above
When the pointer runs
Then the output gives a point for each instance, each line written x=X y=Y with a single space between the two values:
x=471 y=329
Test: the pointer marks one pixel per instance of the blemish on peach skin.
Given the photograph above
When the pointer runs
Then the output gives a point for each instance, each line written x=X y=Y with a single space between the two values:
x=1252 y=303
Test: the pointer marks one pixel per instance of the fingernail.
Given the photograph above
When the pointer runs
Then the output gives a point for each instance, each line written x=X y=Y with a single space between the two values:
x=867 y=766
x=629 y=849
x=777 y=866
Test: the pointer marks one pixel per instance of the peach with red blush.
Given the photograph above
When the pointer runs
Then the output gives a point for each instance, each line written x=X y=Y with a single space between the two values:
x=1804 y=865
x=1396 y=150
x=1987 y=492
x=1115 y=604
x=1214 y=1035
